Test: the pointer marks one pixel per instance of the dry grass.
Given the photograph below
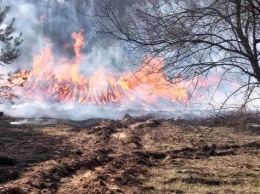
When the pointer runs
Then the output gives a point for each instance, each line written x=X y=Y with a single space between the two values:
x=114 y=156
x=238 y=172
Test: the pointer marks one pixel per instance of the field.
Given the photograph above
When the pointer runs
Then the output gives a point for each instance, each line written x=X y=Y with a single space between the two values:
x=131 y=155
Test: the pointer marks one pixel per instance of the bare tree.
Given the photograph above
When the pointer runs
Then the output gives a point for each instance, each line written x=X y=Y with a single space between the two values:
x=195 y=37
x=9 y=48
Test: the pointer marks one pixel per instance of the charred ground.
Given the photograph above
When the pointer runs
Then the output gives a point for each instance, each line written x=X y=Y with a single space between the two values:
x=132 y=155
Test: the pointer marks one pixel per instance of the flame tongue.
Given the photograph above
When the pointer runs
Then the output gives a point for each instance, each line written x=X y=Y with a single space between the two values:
x=60 y=80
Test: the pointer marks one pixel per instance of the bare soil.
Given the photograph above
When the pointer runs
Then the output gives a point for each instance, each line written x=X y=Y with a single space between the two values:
x=132 y=155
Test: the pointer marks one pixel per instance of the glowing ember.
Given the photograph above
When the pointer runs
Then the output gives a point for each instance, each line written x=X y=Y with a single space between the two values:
x=60 y=80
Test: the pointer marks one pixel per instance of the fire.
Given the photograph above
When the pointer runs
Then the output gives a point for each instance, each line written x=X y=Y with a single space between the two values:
x=60 y=80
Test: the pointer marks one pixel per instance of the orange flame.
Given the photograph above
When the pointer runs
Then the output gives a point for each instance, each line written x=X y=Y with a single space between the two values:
x=60 y=80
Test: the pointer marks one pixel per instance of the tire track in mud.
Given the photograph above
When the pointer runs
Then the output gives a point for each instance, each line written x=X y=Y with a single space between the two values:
x=122 y=168
x=109 y=163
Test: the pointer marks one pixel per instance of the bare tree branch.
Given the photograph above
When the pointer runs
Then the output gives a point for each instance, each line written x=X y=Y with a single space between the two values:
x=195 y=37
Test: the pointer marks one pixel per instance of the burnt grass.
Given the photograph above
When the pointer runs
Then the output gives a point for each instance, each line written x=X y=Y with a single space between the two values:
x=131 y=155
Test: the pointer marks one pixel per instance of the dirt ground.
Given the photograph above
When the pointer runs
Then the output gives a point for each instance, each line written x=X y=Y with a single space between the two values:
x=131 y=155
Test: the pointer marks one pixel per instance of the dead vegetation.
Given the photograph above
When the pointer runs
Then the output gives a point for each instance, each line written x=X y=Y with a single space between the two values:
x=132 y=155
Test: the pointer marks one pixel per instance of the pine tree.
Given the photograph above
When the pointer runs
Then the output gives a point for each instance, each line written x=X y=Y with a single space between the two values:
x=9 y=52
x=9 y=44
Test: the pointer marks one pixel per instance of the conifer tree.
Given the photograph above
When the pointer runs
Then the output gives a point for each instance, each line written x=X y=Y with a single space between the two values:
x=9 y=43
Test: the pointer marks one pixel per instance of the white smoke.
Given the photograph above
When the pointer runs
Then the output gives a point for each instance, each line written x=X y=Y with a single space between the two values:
x=39 y=121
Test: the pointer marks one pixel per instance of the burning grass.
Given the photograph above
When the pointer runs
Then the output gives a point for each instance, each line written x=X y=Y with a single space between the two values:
x=58 y=79
x=61 y=80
